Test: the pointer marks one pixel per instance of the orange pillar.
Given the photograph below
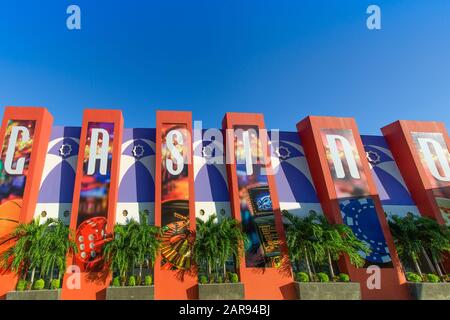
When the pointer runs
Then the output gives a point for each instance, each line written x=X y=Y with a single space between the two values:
x=421 y=150
x=348 y=194
x=175 y=275
x=94 y=203
x=24 y=138
x=265 y=270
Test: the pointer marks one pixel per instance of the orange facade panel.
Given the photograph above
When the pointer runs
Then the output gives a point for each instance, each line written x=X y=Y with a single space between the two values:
x=175 y=272
x=24 y=138
x=348 y=195
x=265 y=268
x=94 y=203
x=421 y=150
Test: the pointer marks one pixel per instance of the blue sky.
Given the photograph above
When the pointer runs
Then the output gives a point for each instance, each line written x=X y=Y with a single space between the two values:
x=286 y=59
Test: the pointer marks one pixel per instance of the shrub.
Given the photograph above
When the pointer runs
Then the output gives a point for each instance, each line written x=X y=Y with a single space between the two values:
x=430 y=277
x=148 y=280
x=203 y=280
x=234 y=278
x=132 y=281
x=323 y=277
x=302 y=277
x=219 y=279
x=343 y=277
x=55 y=284
x=413 y=277
x=22 y=285
x=116 y=282
x=39 y=284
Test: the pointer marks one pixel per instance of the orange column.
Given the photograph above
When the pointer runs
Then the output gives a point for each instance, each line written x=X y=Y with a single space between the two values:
x=265 y=270
x=421 y=150
x=24 y=134
x=94 y=203
x=175 y=274
x=347 y=192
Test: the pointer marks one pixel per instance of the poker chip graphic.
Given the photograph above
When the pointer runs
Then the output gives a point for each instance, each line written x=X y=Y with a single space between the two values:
x=361 y=216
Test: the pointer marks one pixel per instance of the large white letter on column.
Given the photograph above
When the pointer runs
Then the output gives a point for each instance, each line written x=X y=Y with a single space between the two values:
x=12 y=150
x=174 y=152
x=100 y=153
x=348 y=156
x=439 y=154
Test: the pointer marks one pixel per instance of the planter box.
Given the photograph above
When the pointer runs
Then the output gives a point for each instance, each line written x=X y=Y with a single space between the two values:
x=221 y=291
x=328 y=290
x=130 y=293
x=429 y=291
x=34 y=295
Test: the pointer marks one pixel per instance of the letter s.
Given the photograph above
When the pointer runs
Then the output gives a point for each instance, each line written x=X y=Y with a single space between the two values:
x=174 y=153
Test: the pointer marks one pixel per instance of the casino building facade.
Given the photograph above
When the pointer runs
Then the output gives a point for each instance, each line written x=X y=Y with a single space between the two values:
x=102 y=173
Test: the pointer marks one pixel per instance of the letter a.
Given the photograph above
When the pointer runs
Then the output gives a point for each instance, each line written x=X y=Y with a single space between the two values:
x=73 y=22
x=374 y=280
x=98 y=153
x=374 y=20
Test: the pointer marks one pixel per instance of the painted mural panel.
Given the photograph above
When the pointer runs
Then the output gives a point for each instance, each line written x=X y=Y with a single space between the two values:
x=392 y=190
x=59 y=174
x=435 y=158
x=258 y=221
x=177 y=240
x=136 y=194
x=358 y=211
x=15 y=159
x=210 y=175
x=296 y=191
x=344 y=163
x=95 y=185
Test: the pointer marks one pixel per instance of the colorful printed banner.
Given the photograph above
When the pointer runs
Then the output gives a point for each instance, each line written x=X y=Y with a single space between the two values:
x=434 y=156
x=257 y=216
x=95 y=184
x=15 y=159
x=176 y=244
x=344 y=163
x=435 y=159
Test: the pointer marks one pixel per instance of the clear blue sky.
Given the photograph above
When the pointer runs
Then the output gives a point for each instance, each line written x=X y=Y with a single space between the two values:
x=287 y=59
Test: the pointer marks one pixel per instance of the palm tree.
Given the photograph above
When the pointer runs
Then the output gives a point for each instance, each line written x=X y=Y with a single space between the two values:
x=435 y=240
x=302 y=239
x=135 y=243
x=25 y=254
x=231 y=242
x=313 y=239
x=415 y=236
x=406 y=238
x=145 y=242
x=338 y=240
x=205 y=246
x=118 y=253
x=57 y=241
x=216 y=242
